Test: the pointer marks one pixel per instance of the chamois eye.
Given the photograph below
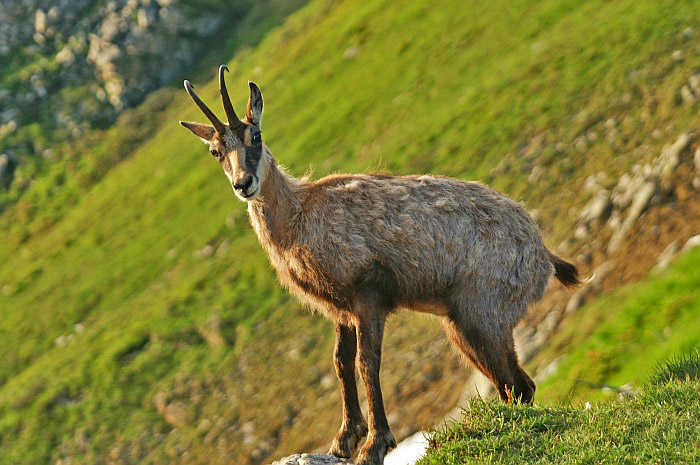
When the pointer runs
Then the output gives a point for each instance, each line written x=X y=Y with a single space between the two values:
x=256 y=138
x=214 y=152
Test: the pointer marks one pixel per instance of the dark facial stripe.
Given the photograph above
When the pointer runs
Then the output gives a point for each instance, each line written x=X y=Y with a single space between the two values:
x=252 y=159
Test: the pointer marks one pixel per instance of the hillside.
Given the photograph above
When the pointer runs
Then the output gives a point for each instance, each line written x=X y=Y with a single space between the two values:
x=73 y=66
x=620 y=385
x=657 y=425
x=141 y=321
x=612 y=345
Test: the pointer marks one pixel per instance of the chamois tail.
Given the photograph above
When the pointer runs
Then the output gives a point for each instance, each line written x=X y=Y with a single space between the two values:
x=565 y=272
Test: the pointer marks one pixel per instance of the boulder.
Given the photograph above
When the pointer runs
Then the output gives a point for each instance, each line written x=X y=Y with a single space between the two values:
x=692 y=243
x=176 y=415
x=311 y=459
x=667 y=255
x=598 y=208
x=640 y=201
x=670 y=158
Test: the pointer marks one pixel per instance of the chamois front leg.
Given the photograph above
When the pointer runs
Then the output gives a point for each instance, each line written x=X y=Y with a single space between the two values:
x=369 y=345
x=354 y=427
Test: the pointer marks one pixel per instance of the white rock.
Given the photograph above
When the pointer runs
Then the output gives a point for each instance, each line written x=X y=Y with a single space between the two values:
x=687 y=95
x=328 y=382
x=65 y=56
x=40 y=21
x=142 y=18
x=694 y=83
x=692 y=243
x=667 y=255
x=408 y=451
x=597 y=208
x=641 y=201
x=670 y=155
x=310 y=459
x=639 y=204
x=351 y=52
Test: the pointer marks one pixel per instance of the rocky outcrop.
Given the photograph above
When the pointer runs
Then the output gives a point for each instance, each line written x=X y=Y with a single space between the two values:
x=311 y=459
x=83 y=61
x=633 y=194
x=122 y=49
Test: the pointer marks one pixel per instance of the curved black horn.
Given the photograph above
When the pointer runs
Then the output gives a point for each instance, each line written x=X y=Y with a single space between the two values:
x=218 y=125
x=233 y=120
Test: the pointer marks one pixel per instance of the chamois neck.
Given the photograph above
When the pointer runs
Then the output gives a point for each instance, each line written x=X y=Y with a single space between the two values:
x=274 y=209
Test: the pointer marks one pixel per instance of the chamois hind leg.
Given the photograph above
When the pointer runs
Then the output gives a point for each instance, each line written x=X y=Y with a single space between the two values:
x=370 y=331
x=494 y=355
x=354 y=427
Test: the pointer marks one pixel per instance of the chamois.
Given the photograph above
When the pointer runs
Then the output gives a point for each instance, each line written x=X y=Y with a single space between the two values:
x=358 y=247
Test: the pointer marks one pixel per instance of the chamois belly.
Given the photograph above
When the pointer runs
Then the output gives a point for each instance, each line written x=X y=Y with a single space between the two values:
x=312 y=287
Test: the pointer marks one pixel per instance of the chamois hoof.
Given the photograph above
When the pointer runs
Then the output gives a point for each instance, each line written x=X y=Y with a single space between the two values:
x=346 y=441
x=375 y=449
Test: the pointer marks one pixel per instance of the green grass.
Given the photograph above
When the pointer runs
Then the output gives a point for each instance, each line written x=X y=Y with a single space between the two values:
x=456 y=89
x=621 y=337
x=659 y=425
x=646 y=334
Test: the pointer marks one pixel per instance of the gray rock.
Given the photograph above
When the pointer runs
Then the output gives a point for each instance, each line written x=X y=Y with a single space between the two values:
x=597 y=209
x=670 y=158
x=160 y=401
x=667 y=255
x=211 y=332
x=694 y=83
x=311 y=459
x=351 y=52
x=640 y=201
x=40 y=21
x=176 y=415
x=692 y=243
x=688 y=96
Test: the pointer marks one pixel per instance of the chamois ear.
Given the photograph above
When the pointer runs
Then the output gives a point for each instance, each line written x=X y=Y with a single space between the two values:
x=203 y=131
x=255 y=105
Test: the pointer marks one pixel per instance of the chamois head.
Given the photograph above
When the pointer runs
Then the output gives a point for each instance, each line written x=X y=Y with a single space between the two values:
x=237 y=145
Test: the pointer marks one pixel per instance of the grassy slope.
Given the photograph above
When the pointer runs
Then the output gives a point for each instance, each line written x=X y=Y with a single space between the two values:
x=450 y=90
x=657 y=426
x=619 y=338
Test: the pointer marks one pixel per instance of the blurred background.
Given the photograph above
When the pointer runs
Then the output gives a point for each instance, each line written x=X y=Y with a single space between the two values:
x=140 y=321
